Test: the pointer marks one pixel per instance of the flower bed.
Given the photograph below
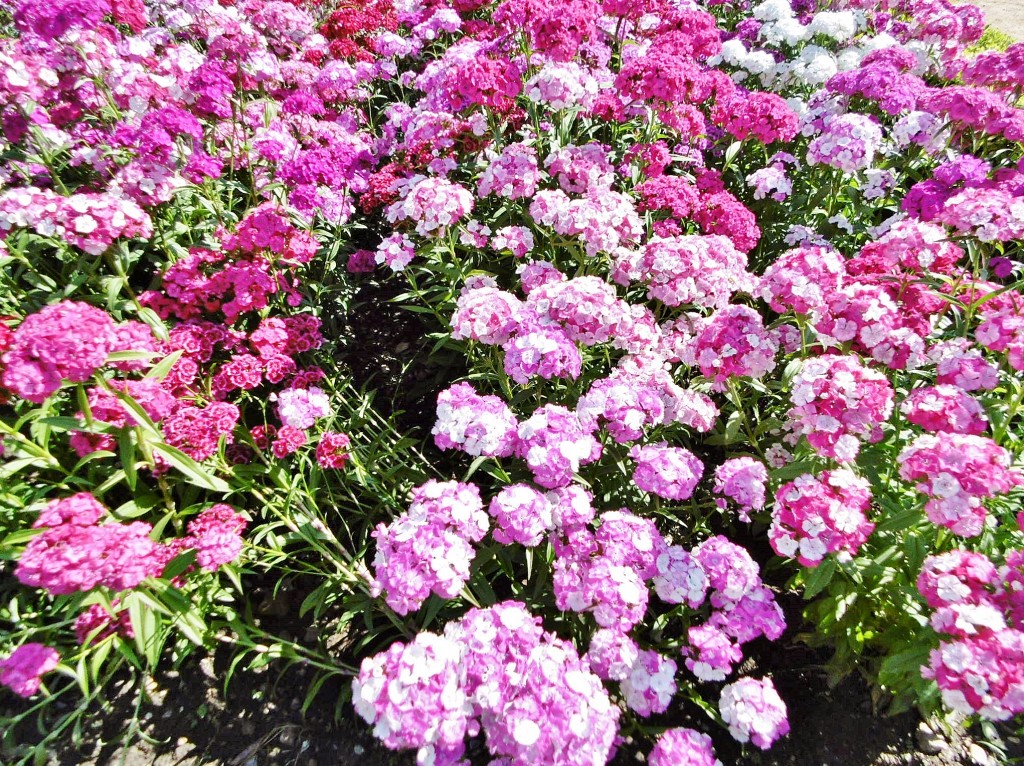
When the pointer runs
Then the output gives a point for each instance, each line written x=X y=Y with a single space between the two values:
x=686 y=276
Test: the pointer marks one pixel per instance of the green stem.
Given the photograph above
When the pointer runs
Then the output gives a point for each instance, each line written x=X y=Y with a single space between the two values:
x=737 y=400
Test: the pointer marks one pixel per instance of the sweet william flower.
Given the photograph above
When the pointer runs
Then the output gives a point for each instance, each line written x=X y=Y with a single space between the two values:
x=21 y=672
x=683 y=746
x=753 y=711
x=64 y=341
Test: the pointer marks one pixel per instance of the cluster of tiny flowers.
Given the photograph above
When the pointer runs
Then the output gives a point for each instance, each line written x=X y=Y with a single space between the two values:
x=680 y=579
x=754 y=712
x=743 y=607
x=697 y=270
x=395 y=251
x=496 y=672
x=625 y=405
x=980 y=670
x=848 y=142
x=958 y=365
x=650 y=685
x=518 y=240
x=683 y=746
x=64 y=341
x=1003 y=331
x=433 y=204
x=815 y=516
x=981 y=674
x=477 y=425
x=89 y=221
x=197 y=431
x=587 y=308
x=965 y=590
x=742 y=480
x=21 y=672
x=957 y=471
x=521 y=515
x=712 y=653
x=513 y=174
x=605 y=572
x=945 y=408
x=216 y=536
x=734 y=343
x=413 y=696
x=837 y=401
x=800 y=280
x=486 y=314
x=74 y=553
x=669 y=472
x=332 y=451
x=96 y=623
x=555 y=444
x=302 y=407
x=541 y=350
x=428 y=548
x=612 y=654
x=562 y=85
x=771 y=181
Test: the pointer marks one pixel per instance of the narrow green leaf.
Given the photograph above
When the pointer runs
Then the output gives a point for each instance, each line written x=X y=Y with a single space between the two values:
x=190 y=469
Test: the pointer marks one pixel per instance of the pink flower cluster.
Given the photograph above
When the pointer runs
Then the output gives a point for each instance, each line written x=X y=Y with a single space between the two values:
x=513 y=174
x=742 y=480
x=541 y=350
x=669 y=472
x=486 y=314
x=957 y=471
x=475 y=424
x=64 y=341
x=816 y=516
x=197 y=431
x=521 y=514
x=712 y=653
x=847 y=142
x=332 y=451
x=753 y=711
x=837 y=402
x=22 y=670
x=678 y=746
x=496 y=672
x=74 y=553
x=302 y=407
x=433 y=204
x=697 y=270
x=945 y=408
x=77 y=553
x=555 y=443
x=428 y=549
x=734 y=343
x=216 y=536
x=982 y=669
x=801 y=280
x=605 y=572
x=612 y=654
x=650 y=685
x=91 y=222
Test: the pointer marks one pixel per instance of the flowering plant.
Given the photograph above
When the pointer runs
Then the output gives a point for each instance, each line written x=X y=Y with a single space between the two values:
x=684 y=273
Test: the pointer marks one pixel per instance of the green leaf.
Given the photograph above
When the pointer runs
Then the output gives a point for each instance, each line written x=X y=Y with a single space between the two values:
x=819 y=578
x=145 y=626
x=179 y=564
x=160 y=370
x=190 y=469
